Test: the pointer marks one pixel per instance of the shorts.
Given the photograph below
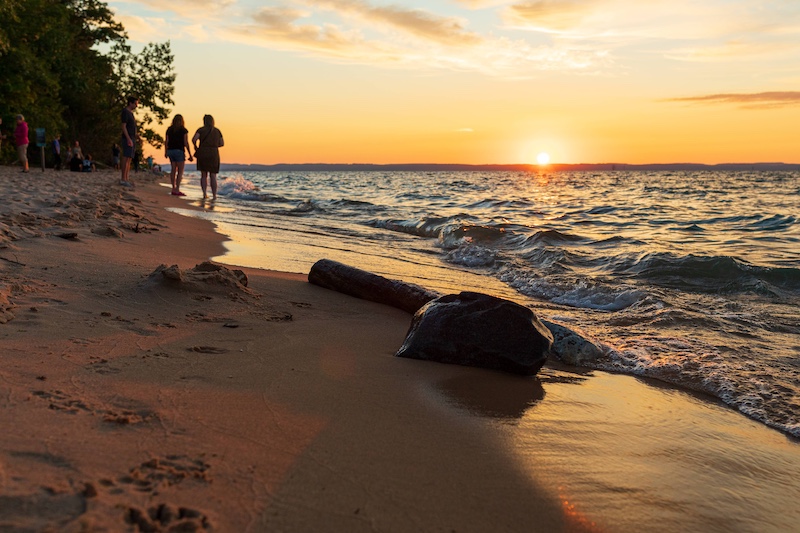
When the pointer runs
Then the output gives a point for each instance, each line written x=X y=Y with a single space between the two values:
x=176 y=156
x=116 y=160
x=22 y=150
x=128 y=151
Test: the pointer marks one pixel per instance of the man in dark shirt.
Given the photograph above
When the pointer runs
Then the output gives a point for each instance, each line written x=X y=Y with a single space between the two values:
x=128 y=141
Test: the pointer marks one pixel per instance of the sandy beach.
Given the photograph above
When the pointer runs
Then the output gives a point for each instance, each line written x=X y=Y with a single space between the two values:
x=143 y=389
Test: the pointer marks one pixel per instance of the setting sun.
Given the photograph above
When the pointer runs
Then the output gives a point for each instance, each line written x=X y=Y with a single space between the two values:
x=543 y=158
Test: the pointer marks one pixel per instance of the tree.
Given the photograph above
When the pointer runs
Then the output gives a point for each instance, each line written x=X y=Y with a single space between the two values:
x=149 y=76
x=53 y=71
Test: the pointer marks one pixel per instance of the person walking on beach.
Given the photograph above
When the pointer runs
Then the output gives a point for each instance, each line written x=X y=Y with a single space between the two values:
x=207 y=153
x=177 y=138
x=128 y=141
x=57 y=152
x=21 y=138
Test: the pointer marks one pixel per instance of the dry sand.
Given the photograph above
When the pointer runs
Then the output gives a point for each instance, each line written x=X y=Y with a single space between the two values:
x=134 y=397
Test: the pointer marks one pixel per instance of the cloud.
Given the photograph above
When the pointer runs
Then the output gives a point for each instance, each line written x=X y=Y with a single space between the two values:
x=354 y=31
x=185 y=8
x=283 y=27
x=141 y=29
x=417 y=22
x=746 y=100
x=669 y=20
x=155 y=20
x=551 y=15
x=734 y=50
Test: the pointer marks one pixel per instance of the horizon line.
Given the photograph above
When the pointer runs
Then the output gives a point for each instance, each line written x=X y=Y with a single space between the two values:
x=522 y=165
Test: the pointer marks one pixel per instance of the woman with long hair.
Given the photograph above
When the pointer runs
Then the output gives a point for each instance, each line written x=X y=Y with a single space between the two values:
x=207 y=153
x=177 y=138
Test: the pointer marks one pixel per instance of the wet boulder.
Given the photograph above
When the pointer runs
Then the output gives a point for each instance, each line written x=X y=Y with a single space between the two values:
x=475 y=329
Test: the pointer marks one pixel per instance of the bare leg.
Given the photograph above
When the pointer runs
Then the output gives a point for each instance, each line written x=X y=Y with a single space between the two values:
x=173 y=171
x=204 y=182
x=214 y=185
x=176 y=183
x=23 y=158
x=125 y=167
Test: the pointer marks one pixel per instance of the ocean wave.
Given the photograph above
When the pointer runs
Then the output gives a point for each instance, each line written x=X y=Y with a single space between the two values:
x=236 y=187
x=573 y=293
x=425 y=227
x=552 y=236
x=708 y=273
x=472 y=256
x=454 y=235
x=492 y=203
x=694 y=365
x=306 y=207
x=344 y=202
x=773 y=223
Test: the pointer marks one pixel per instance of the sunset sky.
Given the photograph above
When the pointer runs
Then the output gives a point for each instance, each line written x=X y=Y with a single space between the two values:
x=485 y=81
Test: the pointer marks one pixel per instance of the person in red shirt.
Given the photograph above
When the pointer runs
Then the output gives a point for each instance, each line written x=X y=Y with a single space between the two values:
x=21 y=138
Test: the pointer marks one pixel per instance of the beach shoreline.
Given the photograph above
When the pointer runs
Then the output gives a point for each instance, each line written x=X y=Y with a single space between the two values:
x=136 y=399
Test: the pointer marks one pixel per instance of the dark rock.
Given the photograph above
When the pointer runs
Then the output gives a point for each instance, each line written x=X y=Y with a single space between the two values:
x=362 y=284
x=474 y=329
x=571 y=347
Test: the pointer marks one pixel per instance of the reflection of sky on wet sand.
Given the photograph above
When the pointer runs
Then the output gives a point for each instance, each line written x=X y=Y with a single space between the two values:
x=685 y=463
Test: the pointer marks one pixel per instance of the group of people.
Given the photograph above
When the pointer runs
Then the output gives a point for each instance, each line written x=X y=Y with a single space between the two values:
x=78 y=162
x=206 y=143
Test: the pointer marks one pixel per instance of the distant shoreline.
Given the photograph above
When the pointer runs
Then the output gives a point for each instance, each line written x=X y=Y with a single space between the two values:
x=434 y=167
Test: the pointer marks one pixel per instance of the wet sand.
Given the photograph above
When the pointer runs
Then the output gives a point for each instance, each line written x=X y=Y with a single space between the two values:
x=135 y=395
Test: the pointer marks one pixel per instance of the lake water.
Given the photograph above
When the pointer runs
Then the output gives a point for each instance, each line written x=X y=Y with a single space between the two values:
x=691 y=278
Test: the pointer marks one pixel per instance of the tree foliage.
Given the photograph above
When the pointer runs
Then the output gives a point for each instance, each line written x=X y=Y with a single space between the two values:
x=53 y=71
x=149 y=76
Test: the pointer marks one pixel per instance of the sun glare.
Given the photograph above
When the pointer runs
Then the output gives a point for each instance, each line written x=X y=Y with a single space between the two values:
x=543 y=158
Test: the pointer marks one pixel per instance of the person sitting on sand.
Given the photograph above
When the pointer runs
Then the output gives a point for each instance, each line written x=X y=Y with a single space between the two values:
x=75 y=163
x=88 y=164
x=76 y=151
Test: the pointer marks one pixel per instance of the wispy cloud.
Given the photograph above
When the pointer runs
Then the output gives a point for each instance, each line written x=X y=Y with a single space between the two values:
x=355 y=31
x=417 y=22
x=746 y=100
x=710 y=26
x=523 y=38
x=185 y=8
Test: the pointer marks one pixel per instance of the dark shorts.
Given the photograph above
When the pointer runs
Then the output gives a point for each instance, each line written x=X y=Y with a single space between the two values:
x=127 y=151
x=176 y=156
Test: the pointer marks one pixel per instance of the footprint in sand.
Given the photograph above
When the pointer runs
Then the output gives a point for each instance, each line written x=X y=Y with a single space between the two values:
x=167 y=471
x=166 y=516
x=122 y=416
x=208 y=349
x=59 y=401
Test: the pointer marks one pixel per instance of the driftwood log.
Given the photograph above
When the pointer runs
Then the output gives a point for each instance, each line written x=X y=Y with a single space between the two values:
x=569 y=346
x=368 y=286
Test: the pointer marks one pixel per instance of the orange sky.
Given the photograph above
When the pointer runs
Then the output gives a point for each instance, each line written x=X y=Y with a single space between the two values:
x=493 y=81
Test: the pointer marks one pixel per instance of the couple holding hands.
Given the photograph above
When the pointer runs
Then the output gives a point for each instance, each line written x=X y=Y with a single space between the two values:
x=206 y=141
